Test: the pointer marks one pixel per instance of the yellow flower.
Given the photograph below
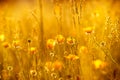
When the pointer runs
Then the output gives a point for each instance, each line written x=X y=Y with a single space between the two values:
x=88 y=29
x=6 y=44
x=70 y=41
x=83 y=49
x=72 y=57
x=33 y=50
x=50 y=44
x=60 y=38
x=58 y=65
x=98 y=64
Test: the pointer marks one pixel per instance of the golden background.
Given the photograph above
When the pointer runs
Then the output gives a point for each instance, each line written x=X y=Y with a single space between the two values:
x=59 y=40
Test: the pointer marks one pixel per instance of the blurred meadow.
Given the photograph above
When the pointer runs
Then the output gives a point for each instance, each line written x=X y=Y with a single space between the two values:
x=59 y=40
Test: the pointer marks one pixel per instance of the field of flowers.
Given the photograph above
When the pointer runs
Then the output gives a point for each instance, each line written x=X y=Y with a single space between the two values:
x=59 y=40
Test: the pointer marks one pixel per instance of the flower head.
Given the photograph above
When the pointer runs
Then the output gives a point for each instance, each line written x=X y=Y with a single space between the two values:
x=51 y=44
x=60 y=78
x=54 y=75
x=52 y=54
x=9 y=68
x=98 y=64
x=83 y=49
x=70 y=41
x=57 y=65
x=60 y=39
x=6 y=44
x=33 y=72
x=33 y=50
x=88 y=30
x=72 y=57
x=103 y=43
x=29 y=41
